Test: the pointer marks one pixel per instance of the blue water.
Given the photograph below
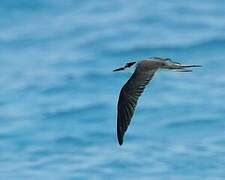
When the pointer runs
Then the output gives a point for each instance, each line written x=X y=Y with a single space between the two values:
x=59 y=94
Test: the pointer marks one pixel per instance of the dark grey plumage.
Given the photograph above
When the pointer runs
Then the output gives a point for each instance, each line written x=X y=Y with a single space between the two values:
x=134 y=87
x=128 y=98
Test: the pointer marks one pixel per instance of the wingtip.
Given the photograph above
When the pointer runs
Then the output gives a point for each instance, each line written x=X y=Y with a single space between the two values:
x=120 y=142
x=119 y=137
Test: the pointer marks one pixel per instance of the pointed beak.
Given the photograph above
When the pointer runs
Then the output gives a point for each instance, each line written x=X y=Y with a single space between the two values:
x=180 y=67
x=118 y=69
x=127 y=65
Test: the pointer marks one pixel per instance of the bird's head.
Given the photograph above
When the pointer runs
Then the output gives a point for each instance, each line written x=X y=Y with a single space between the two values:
x=168 y=63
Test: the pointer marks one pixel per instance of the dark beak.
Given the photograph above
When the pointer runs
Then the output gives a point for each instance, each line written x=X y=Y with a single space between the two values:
x=127 y=65
x=119 y=69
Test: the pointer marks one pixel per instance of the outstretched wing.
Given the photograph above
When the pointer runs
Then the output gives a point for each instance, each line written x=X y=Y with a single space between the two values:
x=128 y=98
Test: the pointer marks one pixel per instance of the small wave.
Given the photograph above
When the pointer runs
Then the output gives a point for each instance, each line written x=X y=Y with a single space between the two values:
x=195 y=124
x=74 y=112
x=73 y=141
x=215 y=43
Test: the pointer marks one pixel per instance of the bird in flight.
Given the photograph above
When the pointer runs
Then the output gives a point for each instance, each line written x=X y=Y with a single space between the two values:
x=133 y=88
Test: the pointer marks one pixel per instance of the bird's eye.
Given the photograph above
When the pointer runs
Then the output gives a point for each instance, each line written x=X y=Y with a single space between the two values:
x=162 y=64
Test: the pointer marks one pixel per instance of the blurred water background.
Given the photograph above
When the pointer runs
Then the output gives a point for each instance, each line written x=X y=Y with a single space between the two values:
x=58 y=94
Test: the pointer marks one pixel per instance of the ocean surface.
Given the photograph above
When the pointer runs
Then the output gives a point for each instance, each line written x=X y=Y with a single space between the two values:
x=58 y=93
